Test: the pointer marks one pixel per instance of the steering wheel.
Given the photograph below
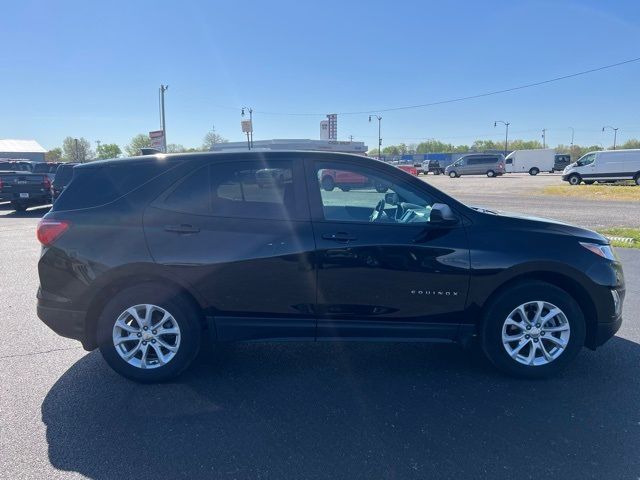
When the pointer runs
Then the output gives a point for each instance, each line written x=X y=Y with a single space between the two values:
x=378 y=211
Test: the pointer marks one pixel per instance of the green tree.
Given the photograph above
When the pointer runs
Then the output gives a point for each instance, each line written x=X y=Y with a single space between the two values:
x=433 y=145
x=76 y=150
x=108 y=150
x=210 y=139
x=391 y=150
x=632 y=143
x=482 y=145
x=175 y=148
x=518 y=144
x=53 y=155
x=138 y=142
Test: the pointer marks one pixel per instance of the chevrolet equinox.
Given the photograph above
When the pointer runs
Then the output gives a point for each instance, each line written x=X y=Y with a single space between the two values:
x=149 y=258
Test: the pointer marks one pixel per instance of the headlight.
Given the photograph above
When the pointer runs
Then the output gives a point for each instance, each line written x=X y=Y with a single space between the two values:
x=604 y=251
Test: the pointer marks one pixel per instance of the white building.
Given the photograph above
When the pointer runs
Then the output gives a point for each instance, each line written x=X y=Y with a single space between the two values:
x=22 y=150
x=294 y=144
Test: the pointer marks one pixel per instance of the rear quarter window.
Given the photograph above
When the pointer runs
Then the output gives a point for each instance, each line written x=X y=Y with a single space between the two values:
x=95 y=186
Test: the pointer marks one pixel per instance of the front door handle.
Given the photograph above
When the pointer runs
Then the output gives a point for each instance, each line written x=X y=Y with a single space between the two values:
x=339 y=237
x=183 y=228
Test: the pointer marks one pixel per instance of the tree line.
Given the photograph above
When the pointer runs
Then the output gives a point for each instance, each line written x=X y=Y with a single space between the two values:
x=79 y=149
x=433 y=146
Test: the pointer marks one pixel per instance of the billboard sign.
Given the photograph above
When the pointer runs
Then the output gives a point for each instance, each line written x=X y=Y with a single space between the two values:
x=246 y=126
x=157 y=139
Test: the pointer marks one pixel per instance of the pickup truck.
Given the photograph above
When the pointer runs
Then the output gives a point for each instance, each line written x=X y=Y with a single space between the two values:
x=24 y=189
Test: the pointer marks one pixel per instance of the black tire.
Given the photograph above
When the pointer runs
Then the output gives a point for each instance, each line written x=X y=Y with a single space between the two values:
x=345 y=189
x=589 y=182
x=637 y=179
x=491 y=173
x=186 y=314
x=497 y=312
x=453 y=174
x=18 y=207
x=328 y=184
x=534 y=171
x=437 y=172
x=574 y=179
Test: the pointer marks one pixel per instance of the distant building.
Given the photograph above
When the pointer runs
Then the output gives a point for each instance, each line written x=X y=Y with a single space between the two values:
x=324 y=130
x=294 y=144
x=22 y=149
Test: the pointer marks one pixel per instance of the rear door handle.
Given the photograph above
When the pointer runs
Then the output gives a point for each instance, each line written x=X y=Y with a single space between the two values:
x=339 y=237
x=184 y=228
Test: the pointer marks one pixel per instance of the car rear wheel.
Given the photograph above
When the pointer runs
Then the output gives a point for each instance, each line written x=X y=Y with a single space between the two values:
x=328 y=184
x=453 y=174
x=589 y=182
x=574 y=179
x=491 y=174
x=534 y=171
x=637 y=179
x=533 y=330
x=149 y=333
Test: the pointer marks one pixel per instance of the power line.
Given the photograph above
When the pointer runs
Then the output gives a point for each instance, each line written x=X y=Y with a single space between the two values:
x=458 y=99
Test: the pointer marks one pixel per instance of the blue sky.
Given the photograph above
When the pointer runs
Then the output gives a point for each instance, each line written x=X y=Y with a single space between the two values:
x=92 y=69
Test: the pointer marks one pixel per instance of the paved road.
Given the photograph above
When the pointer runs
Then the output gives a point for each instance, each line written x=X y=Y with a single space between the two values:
x=521 y=193
x=305 y=411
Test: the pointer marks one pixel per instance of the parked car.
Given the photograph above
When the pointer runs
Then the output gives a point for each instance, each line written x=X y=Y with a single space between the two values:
x=63 y=175
x=530 y=161
x=410 y=169
x=561 y=161
x=47 y=168
x=432 y=166
x=267 y=177
x=477 y=164
x=24 y=189
x=147 y=258
x=604 y=166
x=16 y=165
x=346 y=180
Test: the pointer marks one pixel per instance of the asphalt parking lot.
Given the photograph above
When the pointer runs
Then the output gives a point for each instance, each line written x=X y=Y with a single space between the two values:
x=305 y=410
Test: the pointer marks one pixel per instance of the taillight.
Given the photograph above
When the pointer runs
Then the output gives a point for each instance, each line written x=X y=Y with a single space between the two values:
x=49 y=230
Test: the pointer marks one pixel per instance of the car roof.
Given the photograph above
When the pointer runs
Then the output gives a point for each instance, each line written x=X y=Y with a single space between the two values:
x=173 y=158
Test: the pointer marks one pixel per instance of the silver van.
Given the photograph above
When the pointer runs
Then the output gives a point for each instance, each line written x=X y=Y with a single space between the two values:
x=490 y=165
x=604 y=166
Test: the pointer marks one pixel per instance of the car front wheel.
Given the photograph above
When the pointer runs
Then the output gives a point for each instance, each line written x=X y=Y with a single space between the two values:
x=574 y=179
x=491 y=174
x=149 y=333
x=533 y=330
x=453 y=174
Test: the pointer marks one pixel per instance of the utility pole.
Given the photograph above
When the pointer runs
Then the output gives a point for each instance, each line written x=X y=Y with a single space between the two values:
x=250 y=133
x=615 y=134
x=163 y=123
x=98 y=142
x=379 y=134
x=506 y=135
x=572 y=134
x=544 y=138
x=351 y=138
x=77 y=151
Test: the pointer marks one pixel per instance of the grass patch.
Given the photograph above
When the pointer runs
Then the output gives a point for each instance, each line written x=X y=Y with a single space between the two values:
x=633 y=233
x=624 y=191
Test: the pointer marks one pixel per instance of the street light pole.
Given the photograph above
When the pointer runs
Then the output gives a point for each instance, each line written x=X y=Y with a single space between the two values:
x=544 y=138
x=379 y=134
x=615 y=134
x=163 y=123
x=506 y=135
x=249 y=134
x=572 y=135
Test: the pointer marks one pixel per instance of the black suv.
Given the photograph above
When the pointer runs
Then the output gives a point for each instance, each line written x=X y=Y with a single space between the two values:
x=146 y=258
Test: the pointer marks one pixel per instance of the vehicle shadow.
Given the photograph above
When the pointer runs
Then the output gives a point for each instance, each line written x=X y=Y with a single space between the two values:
x=350 y=411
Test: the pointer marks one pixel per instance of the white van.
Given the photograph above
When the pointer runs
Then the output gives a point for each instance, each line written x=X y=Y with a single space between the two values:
x=531 y=161
x=606 y=165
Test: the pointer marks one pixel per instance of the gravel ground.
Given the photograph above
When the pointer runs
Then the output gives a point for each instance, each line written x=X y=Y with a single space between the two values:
x=305 y=410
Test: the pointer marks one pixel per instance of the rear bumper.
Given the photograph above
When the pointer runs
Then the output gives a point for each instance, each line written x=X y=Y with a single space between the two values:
x=66 y=323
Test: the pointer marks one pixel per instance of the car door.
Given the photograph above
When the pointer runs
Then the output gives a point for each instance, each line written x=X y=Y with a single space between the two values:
x=385 y=273
x=240 y=234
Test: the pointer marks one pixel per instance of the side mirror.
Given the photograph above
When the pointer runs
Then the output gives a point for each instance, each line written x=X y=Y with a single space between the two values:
x=391 y=199
x=441 y=214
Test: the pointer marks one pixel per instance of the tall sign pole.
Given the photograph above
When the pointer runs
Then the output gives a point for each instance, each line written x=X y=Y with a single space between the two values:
x=163 y=123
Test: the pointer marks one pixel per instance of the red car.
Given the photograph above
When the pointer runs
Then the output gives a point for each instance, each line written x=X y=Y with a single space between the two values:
x=345 y=181
x=409 y=169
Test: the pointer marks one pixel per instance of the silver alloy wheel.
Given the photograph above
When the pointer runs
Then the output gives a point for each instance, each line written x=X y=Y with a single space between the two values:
x=536 y=333
x=453 y=174
x=146 y=336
